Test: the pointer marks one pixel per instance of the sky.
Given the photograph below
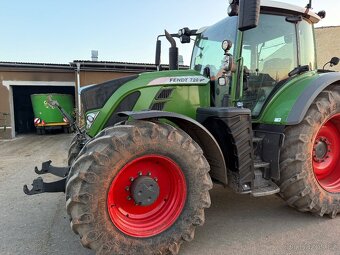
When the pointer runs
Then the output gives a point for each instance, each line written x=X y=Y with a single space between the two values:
x=121 y=30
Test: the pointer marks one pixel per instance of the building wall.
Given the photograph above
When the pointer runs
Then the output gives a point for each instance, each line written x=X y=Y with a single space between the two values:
x=95 y=77
x=327 y=45
x=87 y=77
x=23 y=75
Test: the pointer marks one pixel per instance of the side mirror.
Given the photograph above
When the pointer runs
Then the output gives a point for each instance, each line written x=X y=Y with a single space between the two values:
x=249 y=13
x=334 y=61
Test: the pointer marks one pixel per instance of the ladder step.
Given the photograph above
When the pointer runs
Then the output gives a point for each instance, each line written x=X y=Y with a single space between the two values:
x=270 y=189
x=257 y=139
x=261 y=164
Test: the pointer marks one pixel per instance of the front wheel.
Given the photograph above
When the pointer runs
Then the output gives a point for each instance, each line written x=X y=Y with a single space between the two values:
x=310 y=165
x=139 y=188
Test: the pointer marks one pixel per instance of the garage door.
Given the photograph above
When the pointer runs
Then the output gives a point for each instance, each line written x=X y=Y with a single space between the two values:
x=23 y=111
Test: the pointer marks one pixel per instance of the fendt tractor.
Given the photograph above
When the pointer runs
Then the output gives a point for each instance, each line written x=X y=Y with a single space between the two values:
x=253 y=113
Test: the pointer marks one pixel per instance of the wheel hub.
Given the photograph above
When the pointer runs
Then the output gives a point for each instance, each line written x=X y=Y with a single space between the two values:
x=326 y=154
x=147 y=196
x=144 y=190
x=321 y=149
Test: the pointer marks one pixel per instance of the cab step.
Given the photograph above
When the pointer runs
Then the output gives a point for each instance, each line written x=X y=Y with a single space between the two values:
x=261 y=164
x=263 y=187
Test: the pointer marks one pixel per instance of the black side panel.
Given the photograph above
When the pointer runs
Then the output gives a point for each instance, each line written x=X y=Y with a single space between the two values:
x=269 y=151
x=126 y=104
x=232 y=129
x=95 y=97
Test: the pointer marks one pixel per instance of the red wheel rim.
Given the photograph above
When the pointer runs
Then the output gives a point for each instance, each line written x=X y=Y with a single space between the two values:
x=326 y=155
x=138 y=220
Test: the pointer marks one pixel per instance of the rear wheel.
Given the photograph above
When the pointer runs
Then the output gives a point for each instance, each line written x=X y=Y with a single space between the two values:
x=310 y=165
x=139 y=188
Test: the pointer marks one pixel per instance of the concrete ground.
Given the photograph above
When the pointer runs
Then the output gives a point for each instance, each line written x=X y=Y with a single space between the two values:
x=235 y=224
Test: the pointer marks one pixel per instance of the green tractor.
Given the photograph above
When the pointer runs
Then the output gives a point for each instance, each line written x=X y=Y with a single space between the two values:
x=256 y=116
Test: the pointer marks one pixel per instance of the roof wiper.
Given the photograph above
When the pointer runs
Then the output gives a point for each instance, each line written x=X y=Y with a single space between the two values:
x=299 y=70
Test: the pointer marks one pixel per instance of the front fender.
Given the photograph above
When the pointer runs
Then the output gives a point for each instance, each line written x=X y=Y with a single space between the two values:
x=198 y=133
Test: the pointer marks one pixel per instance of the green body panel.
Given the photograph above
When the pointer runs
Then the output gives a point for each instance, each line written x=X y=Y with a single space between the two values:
x=237 y=76
x=278 y=107
x=48 y=113
x=185 y=98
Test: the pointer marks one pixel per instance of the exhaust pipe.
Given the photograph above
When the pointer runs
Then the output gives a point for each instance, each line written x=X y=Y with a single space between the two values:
x=173 y=52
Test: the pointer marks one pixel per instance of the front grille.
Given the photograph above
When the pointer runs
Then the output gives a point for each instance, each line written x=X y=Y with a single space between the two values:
x=164 y=94
x=158 y=106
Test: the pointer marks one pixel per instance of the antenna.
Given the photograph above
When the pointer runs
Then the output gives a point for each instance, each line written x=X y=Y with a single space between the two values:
x=309 y=5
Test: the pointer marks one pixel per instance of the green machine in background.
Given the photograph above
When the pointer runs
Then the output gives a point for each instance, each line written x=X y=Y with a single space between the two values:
x=48 y=117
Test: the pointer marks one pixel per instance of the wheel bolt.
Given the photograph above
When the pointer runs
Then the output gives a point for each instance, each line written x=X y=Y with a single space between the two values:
x=128 y=198
x=139 y=173
x=132 y=179
x=156 y=179
x=149 y=173
x=127 y=188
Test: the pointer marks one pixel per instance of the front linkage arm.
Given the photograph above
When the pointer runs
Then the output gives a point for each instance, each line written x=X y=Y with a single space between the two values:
x=39 y=186
x=46 y=167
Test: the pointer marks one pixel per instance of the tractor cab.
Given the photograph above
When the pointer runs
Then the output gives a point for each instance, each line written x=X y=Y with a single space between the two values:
x=264 y=57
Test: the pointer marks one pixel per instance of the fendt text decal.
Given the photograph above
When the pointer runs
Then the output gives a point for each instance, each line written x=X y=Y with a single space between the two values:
x=179 y=80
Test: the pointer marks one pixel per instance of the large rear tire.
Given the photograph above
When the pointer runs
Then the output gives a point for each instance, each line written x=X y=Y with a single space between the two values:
x=112 y=211
x=310 y=165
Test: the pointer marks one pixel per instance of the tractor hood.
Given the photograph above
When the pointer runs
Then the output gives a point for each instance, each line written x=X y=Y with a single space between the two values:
x=95 y=96
x=180 y=91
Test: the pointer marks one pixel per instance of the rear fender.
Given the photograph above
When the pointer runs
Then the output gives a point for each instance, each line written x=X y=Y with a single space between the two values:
x=307 y=97
x=198 y=133
x=291 y=101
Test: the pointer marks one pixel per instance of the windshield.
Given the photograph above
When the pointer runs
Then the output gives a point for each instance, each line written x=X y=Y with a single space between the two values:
x=269 y=53
x=207 y=49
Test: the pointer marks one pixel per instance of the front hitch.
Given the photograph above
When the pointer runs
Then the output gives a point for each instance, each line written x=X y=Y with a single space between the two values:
x=39 y=186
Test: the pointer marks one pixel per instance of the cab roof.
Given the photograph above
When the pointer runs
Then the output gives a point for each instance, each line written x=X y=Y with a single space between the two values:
x=294 y=9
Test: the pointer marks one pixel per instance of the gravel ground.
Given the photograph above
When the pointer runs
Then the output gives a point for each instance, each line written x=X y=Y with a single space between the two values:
x=235 y=224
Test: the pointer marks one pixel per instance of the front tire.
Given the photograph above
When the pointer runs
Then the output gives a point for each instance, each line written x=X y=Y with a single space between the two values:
x=310 y=165
x=110 y=209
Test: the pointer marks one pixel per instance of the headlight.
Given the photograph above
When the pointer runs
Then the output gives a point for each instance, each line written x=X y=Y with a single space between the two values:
x=90 y=118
